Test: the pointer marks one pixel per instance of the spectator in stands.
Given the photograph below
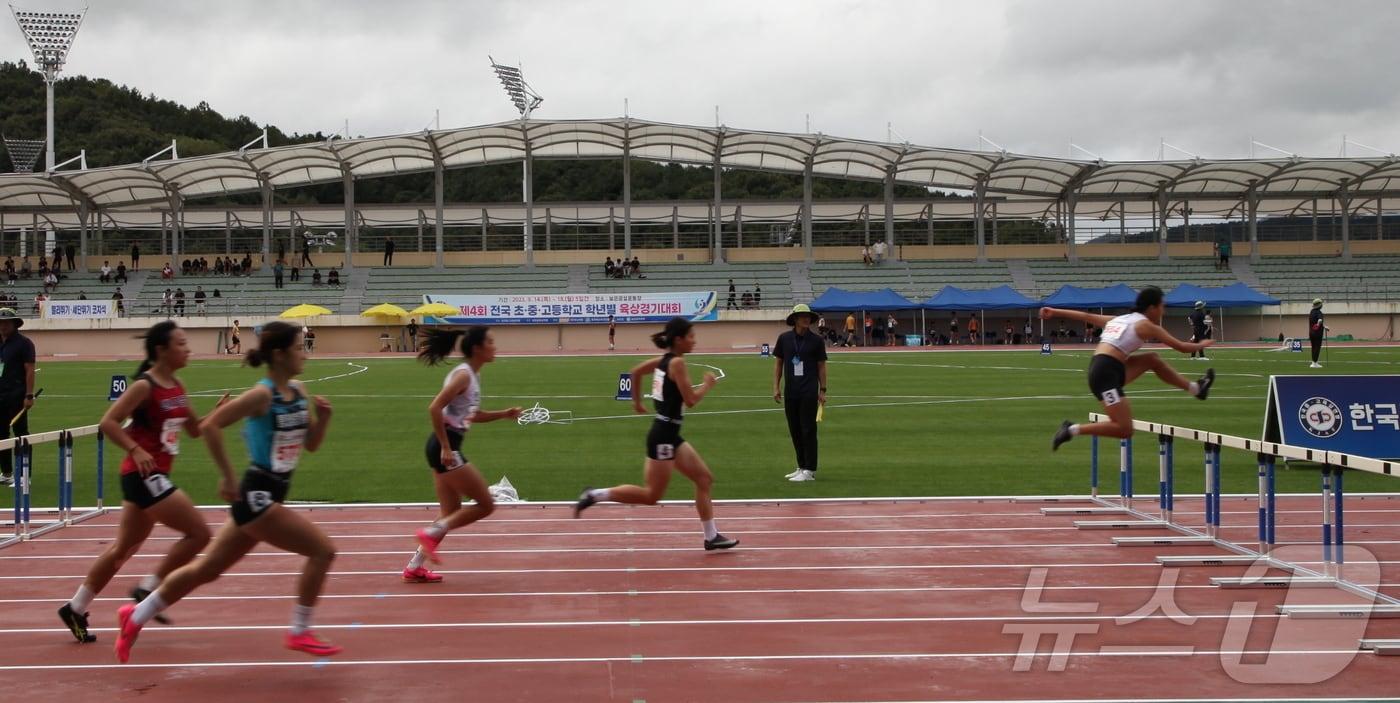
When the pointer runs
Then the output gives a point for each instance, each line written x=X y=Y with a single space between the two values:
x=82 y=295
x=167 y=273
x=9 y=264
x=1214 y=254
x=43 y=267
x=306 y=250
x=730 y=304
x=388 y=258
x=247 y=263
x=199 y=300
x=70 y=252
x=218 y=266
x=281 y=250
x=746 y=300
x=608 y=267
x=316 y=277
x=637 y=267
x=24 y=270
x=39 y=299
x=180 y=302
x=878 y=249
x=757 y=293
x=865 y=255
x=296 y=274
x=135 y=257
x=121 y=273
x=167 y=302
x=277 y=274
x=215 y=294
x=184 y=267
x=50 y=282
x=333 y=277
x=106 y=272
x=10 y=277
x=56 y=265
x=1225 y=254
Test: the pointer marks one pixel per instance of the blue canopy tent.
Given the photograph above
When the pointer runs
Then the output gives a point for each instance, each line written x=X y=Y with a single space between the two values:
x=1074 y=297
x=999 y=298
x=884 y=300
x=1238 y=295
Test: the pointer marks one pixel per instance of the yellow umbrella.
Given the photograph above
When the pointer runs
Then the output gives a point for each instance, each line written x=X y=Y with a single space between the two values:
x=304 y=310
x=435 y=310
x=385 y=310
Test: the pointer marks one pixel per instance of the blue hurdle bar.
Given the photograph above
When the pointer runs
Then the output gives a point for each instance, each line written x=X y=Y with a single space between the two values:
x=1171 y=480
x=1339 y=541
x=1326 y=519
x=101 y=444
x=1093 y=465
x=22 y=458
x=1162 y=476
x=1215 y=483
x=1209 y=489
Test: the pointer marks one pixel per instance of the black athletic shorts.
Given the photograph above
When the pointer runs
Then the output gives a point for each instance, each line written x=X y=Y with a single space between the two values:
x=663 y=440
x=258 y=491
x=146 y=491
x=433 y=451
x=1106 y=378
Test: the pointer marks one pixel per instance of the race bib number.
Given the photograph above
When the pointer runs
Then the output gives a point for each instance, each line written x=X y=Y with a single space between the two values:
x=665 y=452
x=1112 y=331
x=158 y=484
x=258 y=500
x=658 y=381
x=286 y=449
x=1110 y=397
x=170 y=435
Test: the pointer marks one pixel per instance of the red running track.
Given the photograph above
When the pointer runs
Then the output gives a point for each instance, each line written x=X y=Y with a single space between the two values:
x=853 y=601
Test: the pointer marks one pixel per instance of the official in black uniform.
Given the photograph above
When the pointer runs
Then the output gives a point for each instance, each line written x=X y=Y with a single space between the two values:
x=800 y=362
x=16 y=385
x=1199 y=330
x=1316 y=331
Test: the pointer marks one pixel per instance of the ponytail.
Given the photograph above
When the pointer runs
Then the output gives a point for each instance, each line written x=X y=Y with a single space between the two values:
x=438 y=343
x=156 y=336
x=675 y=328
x=276 y=336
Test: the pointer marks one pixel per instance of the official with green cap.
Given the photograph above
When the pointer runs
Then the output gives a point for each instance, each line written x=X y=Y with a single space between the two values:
x=800 y=365
x=16 y=384
x=1317 y=330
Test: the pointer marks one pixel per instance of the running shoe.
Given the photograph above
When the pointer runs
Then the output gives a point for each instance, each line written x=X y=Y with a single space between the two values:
x=421 y=575
x=430 y=545
x=77 y=623
x=1061 y=436
x=804 y=475
x=1204 y=383
x=8 y=480
x=139 y=594
x=720 y=542
x=309 y=643
x=585 y=501
x=127 y=632
x=793 y=474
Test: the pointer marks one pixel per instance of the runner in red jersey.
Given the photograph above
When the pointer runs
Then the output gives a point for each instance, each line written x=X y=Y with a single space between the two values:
x=159 y=410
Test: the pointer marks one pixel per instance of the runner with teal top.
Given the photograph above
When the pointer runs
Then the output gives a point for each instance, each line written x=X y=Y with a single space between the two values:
x=279 y=425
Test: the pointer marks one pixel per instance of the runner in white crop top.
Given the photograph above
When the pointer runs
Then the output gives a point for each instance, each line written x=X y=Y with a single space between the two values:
x=458 y=412
x=1114 y=365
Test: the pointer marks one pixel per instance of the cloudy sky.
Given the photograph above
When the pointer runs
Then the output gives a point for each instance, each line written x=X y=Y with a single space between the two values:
x=1114 y=76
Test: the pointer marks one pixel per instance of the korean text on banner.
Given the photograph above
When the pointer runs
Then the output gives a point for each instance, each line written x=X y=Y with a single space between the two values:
x=586 y=308
x=1351 y=414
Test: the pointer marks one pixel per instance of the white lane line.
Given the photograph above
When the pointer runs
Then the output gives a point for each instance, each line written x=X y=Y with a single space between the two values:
x=662 y=569
x=1017 y=617
x=895 y=656
x=874 y=590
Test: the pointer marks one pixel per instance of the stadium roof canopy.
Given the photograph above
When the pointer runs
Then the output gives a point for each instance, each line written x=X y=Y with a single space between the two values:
x=1100 y=188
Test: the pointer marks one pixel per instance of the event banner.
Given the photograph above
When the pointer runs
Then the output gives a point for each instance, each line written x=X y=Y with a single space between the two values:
x=79 y=309
x=1350 y=414
x=583 y=307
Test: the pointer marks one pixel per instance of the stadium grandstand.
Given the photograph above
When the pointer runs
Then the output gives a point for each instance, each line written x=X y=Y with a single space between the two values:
x=1299 y=227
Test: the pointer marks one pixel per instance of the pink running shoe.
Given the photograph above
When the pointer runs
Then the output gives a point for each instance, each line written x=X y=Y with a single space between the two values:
x=429 y=544
x=127 y=631
x=309 y=643
x=421 y=575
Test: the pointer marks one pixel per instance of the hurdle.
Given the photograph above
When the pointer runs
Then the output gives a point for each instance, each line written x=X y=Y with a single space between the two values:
x=25 y=524
x=1261 y=552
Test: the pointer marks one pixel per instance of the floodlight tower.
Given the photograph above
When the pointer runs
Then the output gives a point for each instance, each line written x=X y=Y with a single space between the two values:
x=23 y=153
x=525 y=100
x=50 y=35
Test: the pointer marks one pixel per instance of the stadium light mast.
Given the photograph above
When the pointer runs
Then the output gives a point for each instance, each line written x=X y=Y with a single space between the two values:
x=24 y=153
x=50 y=35
x=525 y=100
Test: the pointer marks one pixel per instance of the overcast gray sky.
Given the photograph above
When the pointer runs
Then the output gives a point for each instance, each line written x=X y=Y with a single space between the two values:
x=1113 y=75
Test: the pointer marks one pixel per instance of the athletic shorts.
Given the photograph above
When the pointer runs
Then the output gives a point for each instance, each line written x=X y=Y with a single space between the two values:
x=1106 y=378
x=258 y=491
x=433 y=451
x=664 y=440
x=146 y=491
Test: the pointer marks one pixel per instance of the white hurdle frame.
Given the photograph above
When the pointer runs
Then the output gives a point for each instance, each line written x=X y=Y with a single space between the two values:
x=24 y=472
x=1332 y=466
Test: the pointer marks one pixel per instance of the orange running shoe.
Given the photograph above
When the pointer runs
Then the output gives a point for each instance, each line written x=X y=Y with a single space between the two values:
x=429 y=544
x=311 y=644
x=127 y=631
x=421 y=575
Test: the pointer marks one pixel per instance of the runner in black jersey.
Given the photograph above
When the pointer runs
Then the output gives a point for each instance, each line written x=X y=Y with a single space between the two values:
x=666 y=449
